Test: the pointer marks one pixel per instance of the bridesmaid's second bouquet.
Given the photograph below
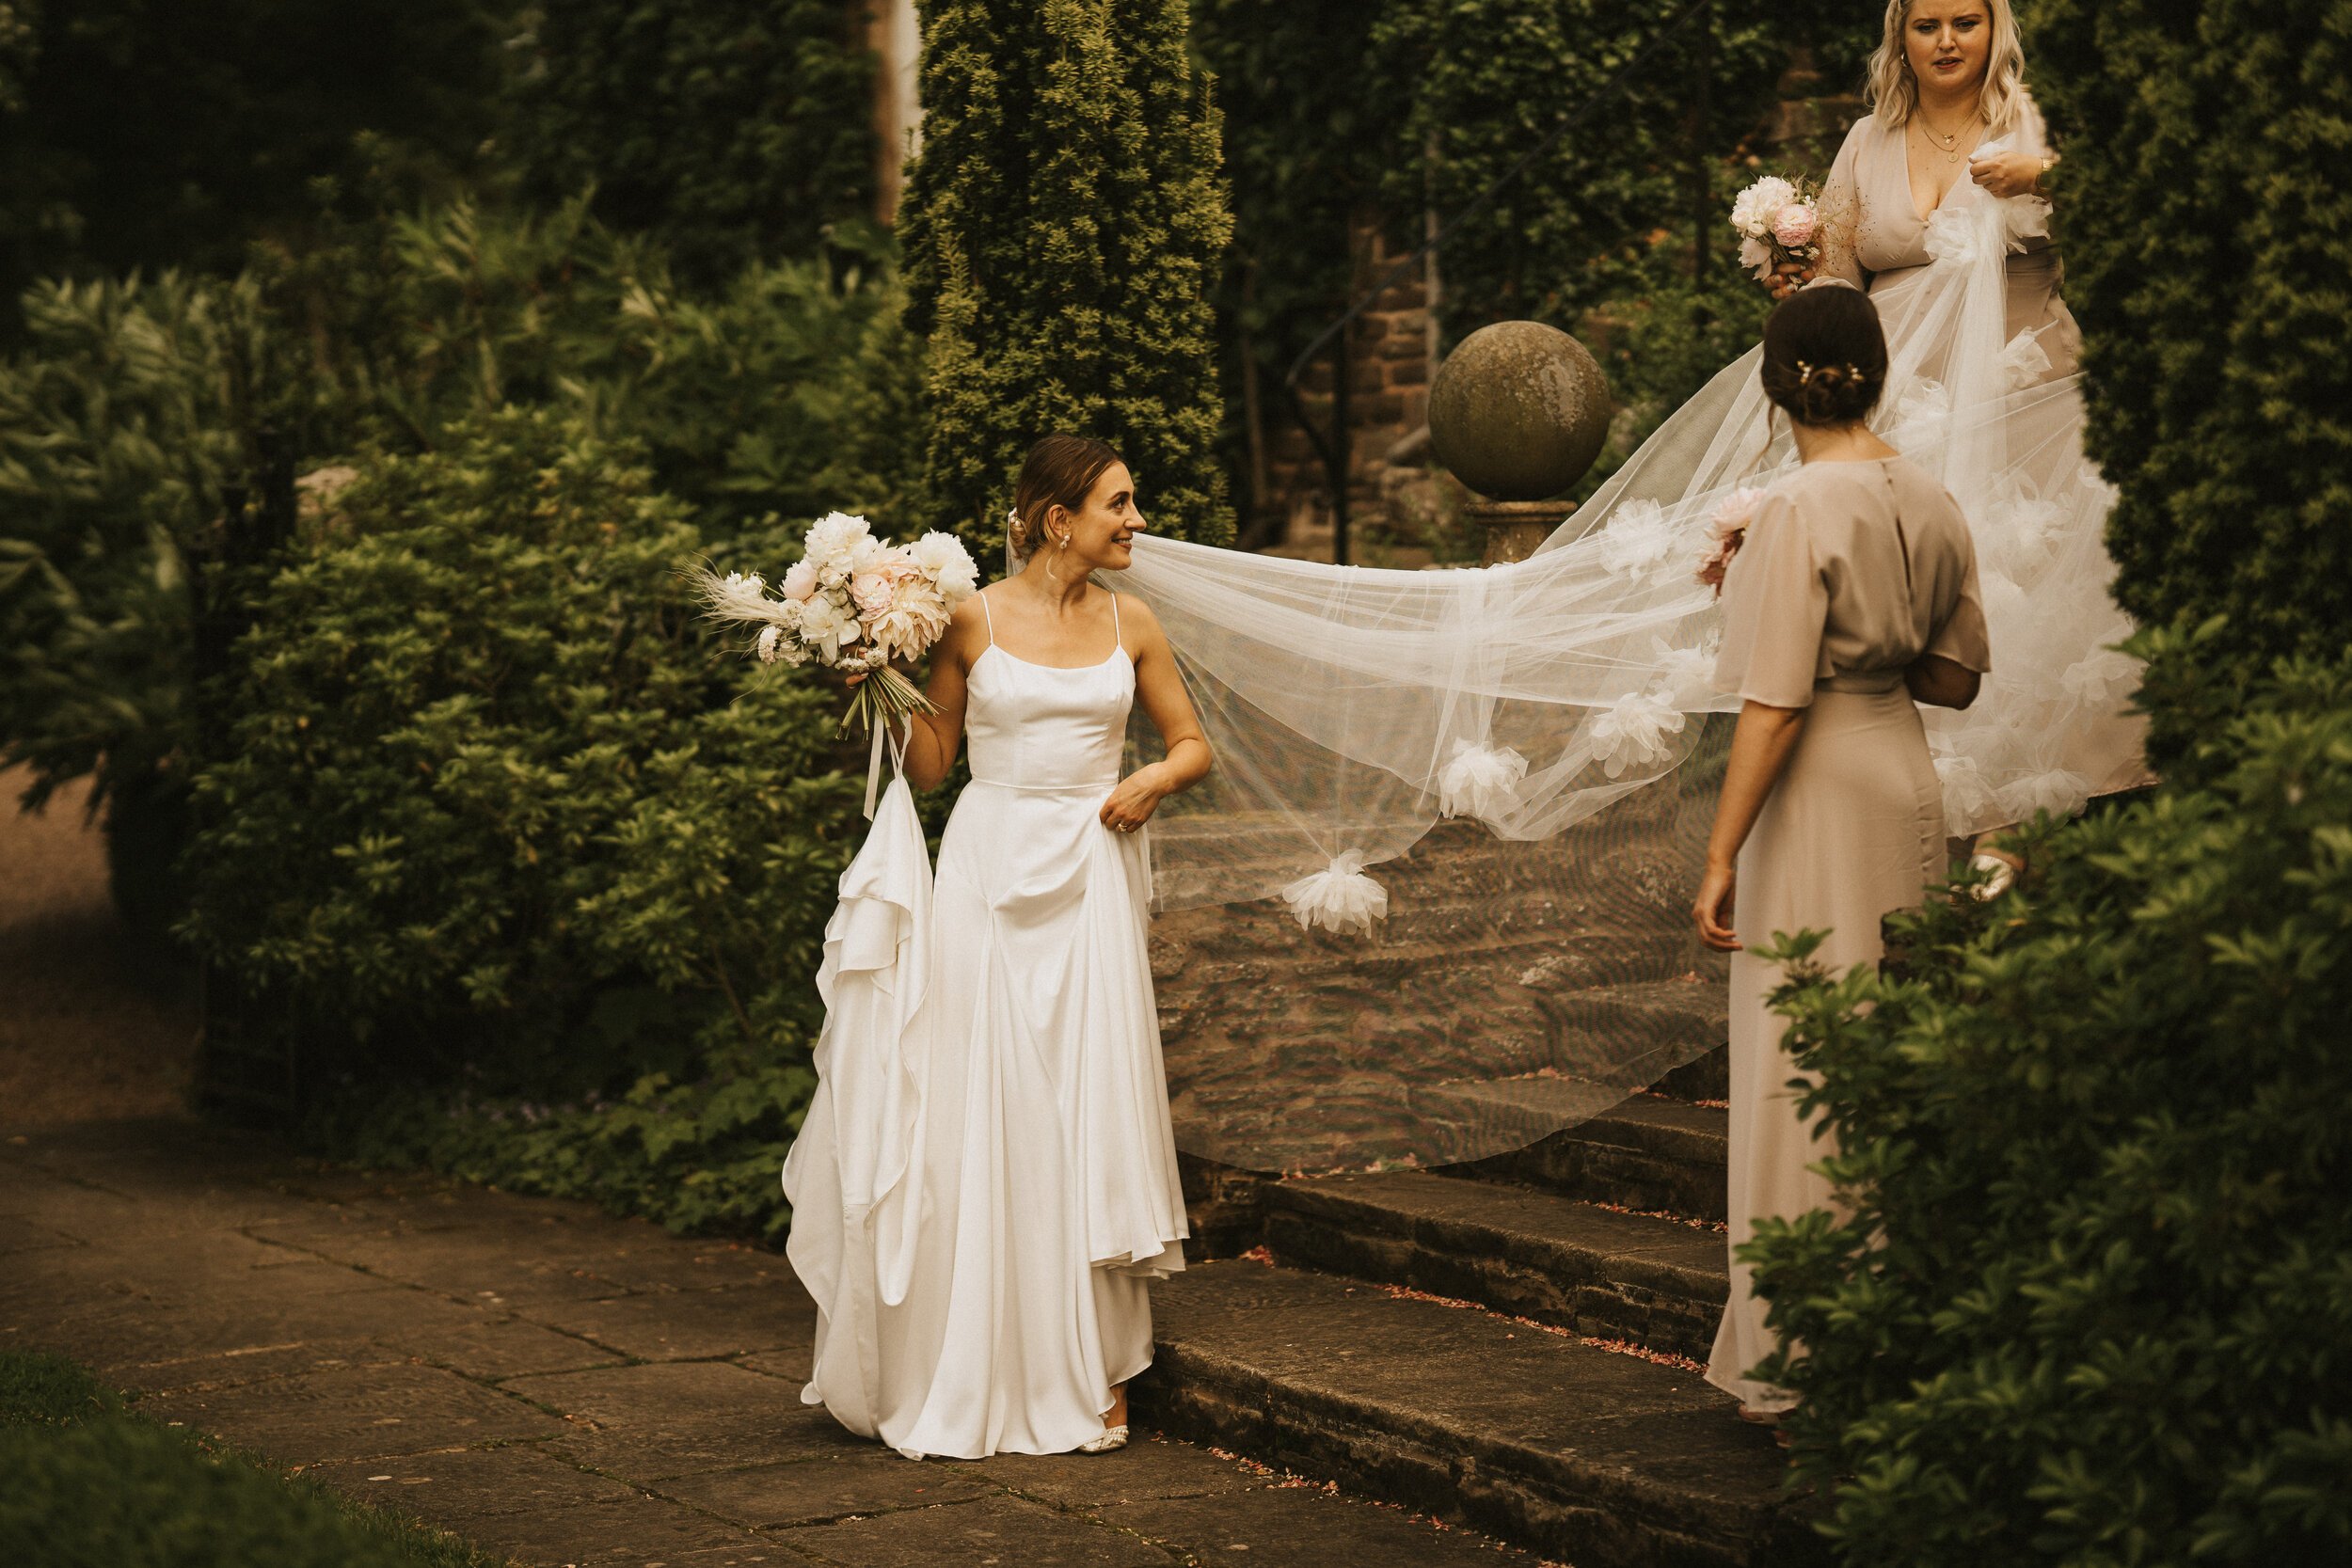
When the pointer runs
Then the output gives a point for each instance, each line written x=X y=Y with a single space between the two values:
x=1778 y=221
x=851 y=603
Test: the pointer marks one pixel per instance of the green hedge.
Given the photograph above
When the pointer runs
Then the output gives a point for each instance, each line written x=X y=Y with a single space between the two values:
x=2092 y=1304
x=2208 y=234
x=496 y=810
x=1064 y=226
x=84 y=1485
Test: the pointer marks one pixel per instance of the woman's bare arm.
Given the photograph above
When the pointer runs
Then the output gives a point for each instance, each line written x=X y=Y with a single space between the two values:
x=935 y=736
x=1760 y=749
x=1161 y=688
x=1940 y=682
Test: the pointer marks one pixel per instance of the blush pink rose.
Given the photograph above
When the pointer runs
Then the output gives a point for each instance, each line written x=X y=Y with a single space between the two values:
x=799 y=581
x=1794 y=226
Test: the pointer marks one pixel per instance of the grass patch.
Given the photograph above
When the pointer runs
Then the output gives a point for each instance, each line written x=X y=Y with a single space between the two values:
x=86 y=1483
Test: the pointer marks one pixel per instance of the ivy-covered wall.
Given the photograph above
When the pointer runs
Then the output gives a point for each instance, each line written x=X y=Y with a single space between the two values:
x=2208 y=233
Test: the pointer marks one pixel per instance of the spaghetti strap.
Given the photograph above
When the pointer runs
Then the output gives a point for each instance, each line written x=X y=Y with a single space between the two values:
x=1117 y=635
x=989 y=617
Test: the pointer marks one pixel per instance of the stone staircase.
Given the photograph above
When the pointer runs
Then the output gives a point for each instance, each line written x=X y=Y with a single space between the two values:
x=1511 y=1341
x=1513 y=1345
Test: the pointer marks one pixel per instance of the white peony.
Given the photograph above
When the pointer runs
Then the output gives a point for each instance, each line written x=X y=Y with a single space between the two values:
x=833 y=539
x=945 y=561
x=1754 y=211
x=1633 y=731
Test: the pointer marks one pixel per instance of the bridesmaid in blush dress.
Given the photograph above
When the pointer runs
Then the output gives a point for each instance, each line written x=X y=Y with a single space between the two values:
x=985 y=1185
x=1852 y=599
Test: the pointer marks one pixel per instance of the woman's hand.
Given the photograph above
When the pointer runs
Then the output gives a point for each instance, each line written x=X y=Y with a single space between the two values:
x=1786 y=278
x=1138 y=795
x=1712 y=908
x=2007 y=174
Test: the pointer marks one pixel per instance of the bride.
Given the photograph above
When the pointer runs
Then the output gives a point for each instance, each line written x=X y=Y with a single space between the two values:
x=985 y=1184
x=1351 y=708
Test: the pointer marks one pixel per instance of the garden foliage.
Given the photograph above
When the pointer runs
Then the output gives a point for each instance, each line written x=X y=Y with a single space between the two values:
x=92 y=1485
x=1064 y=226
x=132 y=409
x=789 y=388
x=736 y=130
x=2091 y=1302
x=152 y=133
x=496 y=811
x=2208 y=234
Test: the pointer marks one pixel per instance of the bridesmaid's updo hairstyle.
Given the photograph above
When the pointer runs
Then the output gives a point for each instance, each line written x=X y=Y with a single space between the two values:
x=1060 y=471
x=1825 y=356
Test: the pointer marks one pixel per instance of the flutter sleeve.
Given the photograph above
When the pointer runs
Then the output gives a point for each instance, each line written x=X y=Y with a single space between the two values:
x=1775 y=610
x=1961 y=635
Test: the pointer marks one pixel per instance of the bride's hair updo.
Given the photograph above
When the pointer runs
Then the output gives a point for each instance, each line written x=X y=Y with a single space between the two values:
x=1060 y=471
x=1893 y=95
x=1825 y=356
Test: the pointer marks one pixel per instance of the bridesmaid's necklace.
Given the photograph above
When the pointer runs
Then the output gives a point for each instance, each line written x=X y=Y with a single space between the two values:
x=1949 y=145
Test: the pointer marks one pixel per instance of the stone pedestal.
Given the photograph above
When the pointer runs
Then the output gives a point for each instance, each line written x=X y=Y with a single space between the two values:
x=1512 y=530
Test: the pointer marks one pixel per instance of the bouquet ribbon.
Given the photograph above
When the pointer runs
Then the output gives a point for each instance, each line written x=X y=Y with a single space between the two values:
x=874 y=761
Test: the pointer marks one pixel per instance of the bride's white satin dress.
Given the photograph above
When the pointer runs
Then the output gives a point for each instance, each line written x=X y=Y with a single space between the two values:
x=986 y=1181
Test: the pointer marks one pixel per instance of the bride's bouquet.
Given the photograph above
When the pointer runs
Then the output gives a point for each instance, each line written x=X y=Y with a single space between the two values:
x=851 y=603
x=1778 y=221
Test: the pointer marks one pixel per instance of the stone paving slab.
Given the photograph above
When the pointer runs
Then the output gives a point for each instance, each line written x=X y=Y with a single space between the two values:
x=562 y=1387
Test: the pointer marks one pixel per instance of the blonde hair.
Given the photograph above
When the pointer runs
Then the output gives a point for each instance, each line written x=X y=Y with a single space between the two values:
x=1893 y=93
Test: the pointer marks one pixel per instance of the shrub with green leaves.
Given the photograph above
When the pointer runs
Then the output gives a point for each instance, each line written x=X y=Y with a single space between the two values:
x=121 y=424
x=92 y=1485
x=2093 y=1302
x=790 y=387
x=1064 y=226
x=2208 y=234
x=738 y=131
x=497 y=810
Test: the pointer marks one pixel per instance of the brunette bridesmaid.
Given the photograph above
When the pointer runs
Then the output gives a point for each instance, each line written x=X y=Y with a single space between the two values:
x=1852 y=599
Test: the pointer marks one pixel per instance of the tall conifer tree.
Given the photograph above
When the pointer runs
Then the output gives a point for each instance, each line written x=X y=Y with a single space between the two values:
x=1063 y=227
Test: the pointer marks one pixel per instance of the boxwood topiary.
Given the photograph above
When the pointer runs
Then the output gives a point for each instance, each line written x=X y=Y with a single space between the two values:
x=2208 y=237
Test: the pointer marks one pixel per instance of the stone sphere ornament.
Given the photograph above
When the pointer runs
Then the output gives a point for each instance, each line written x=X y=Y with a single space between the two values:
x=1519 y=411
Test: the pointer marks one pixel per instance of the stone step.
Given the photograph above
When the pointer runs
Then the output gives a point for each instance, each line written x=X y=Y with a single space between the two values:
x=1648 y=1153
x=1657 y=1283
x=1600 y=1459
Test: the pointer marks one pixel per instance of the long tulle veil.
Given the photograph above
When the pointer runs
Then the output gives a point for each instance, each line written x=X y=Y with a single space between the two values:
x=1372 y=990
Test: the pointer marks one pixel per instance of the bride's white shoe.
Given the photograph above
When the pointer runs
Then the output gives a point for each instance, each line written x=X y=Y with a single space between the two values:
x=1113 y=1438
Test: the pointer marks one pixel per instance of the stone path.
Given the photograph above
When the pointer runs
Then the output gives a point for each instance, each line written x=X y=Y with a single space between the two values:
x=90 y=1027
x=568 y=1387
